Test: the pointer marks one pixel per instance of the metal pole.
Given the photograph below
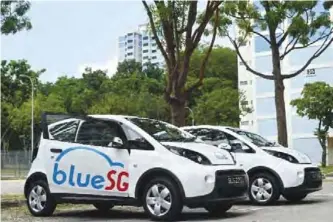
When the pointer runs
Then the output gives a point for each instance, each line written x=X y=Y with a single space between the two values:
x=191 y=114
x=32 y=112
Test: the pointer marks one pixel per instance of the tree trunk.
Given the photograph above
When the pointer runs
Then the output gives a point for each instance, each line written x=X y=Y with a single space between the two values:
x=323 y=157
x=322 y=141
x=281 y=113
x=177 y=113
x=279 y=96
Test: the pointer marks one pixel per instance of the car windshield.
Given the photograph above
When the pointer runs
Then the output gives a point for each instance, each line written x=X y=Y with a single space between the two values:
x=162 y=131
x=254 y=138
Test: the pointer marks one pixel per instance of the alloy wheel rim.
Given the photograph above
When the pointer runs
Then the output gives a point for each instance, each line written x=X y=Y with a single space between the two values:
x=37 y=198
x=261 y=190
x=158 y=200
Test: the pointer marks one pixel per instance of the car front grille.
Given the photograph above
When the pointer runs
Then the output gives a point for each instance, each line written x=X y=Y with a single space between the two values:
x=313 y=177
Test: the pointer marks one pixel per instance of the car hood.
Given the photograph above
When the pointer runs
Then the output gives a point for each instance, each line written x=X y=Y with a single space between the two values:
x=301 y=157
x=215 y=155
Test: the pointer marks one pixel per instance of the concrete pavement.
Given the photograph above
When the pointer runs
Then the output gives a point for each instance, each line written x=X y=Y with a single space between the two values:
x=317 y=207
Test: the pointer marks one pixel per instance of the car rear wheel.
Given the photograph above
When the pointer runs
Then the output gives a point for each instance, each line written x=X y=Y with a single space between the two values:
x=161 y=199
x=39 y=200
x=295 y=197
x=218 y=209
x=264 y=189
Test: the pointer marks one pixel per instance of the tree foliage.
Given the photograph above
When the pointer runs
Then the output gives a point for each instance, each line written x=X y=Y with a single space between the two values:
x=131 y=91
x=316 y=103
x=13 y=16
x=308 y=25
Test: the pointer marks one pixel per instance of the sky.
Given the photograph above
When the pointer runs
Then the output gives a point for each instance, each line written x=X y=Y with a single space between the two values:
x=68 y=36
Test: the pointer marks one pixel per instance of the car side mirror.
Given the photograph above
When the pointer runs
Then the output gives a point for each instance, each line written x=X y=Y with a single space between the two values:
x=117 y=143
x=224 y=146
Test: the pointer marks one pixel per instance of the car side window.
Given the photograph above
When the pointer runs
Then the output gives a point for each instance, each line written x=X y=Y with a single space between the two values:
x=235 y=147
x=64 y=132
x=99 y=133
x=203 y=134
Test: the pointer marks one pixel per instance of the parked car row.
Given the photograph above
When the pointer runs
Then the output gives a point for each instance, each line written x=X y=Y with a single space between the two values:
x=109 y=160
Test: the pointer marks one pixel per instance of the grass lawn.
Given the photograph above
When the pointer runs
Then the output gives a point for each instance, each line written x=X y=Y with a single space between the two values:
x=328 y=169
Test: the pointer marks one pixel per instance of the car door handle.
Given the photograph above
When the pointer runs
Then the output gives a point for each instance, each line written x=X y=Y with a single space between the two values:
x=54 y=150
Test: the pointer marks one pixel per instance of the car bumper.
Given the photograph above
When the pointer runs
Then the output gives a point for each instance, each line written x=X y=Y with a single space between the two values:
x=230 y=186
x=313 y=181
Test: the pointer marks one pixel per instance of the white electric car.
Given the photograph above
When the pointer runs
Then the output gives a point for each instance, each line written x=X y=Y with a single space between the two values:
x=272 y=169
x=109 y=160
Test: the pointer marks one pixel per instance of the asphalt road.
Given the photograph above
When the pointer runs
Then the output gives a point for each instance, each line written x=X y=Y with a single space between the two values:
x=317 y=207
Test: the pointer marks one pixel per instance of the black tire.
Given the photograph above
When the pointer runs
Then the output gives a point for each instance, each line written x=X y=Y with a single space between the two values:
x=174 y=198
x=48 y=206
x=218 y=209
x=275 y=189
x=295 y=197
x=103 y=207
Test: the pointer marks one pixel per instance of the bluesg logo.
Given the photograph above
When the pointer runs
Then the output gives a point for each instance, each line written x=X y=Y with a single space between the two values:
x=113 y=178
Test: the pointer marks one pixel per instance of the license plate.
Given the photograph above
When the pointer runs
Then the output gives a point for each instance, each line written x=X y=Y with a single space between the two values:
x=235 y=180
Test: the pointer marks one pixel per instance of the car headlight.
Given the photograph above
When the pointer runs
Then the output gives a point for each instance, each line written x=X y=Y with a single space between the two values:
x=190 y=154
x=284 y=156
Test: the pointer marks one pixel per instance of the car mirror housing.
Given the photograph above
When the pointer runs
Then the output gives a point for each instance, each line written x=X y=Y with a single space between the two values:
x=117 y=143
x=224 y=146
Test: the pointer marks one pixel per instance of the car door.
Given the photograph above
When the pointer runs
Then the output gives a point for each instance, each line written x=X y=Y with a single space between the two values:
x=105 y=143
x=83 y=160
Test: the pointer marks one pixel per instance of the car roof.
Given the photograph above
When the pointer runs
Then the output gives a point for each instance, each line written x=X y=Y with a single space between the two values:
x=211 y=127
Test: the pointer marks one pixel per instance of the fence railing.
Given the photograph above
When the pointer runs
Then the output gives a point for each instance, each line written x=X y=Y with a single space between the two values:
x=15 y=164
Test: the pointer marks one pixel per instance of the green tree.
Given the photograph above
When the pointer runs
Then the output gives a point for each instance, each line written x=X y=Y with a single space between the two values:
x=13 y=16
x=220 y=107
x=173 y=25
x=307 y=27
x=317 y=103
x=15 y=91
x=128 y=68
x=221 y=64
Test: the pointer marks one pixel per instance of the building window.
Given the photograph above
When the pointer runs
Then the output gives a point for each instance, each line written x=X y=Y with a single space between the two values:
x=154 y=57
x=153 y=51
x=145 y=57
x=145 y=51
x=130 y=47
x=145 y=38
x=129 y=34
x=145 y=44
x=130 y=40
x=130 y=53
x=242 y=83
x=154 y=44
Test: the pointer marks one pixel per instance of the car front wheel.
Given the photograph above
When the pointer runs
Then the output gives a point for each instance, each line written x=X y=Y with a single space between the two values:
x=161 y=199
x=39 y=200
x=264 y=189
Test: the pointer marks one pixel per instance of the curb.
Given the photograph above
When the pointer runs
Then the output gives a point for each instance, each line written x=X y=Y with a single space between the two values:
x=12 y=203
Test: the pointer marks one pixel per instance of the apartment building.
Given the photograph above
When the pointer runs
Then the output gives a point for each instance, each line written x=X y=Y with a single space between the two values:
x=150 y=50
x=130 y=47
x=260 y=92
x=141 y=46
